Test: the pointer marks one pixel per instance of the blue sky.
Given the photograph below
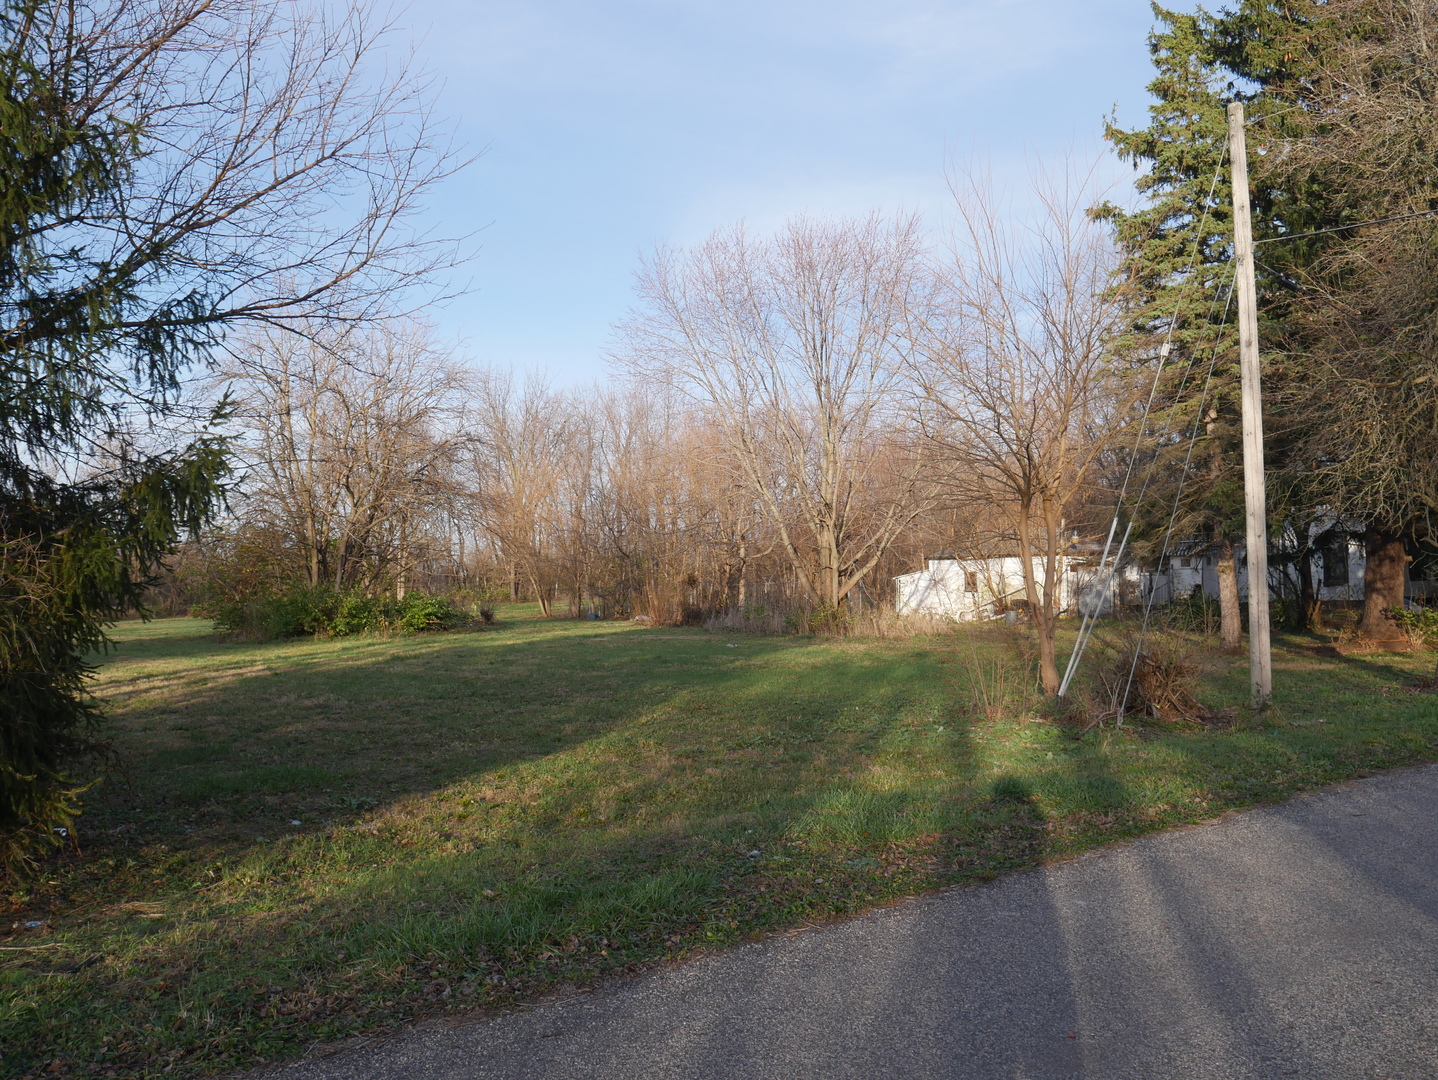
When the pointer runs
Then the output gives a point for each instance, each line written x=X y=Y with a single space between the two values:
x=610 y=126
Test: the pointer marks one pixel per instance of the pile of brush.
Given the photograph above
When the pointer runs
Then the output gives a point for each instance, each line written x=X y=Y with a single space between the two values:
x=1154 y=676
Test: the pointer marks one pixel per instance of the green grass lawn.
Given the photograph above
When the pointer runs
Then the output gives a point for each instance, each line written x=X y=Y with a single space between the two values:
x=317 y=838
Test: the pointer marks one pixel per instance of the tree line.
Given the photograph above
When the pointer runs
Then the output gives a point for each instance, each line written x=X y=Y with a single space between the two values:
x=795 y=418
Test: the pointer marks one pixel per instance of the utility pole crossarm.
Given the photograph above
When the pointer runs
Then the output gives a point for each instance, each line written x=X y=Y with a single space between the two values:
x=1260 y=657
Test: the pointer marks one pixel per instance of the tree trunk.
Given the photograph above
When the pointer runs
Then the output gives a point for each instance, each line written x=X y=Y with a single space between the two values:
x=1310 y=602
x=543 y=596
x=1048 y=658
x=312 y=552
x=1040 y=611
x=829 y=568
x=1049 y=605
x=1383 y=575
x=1230 y=614
x=743 y=568
x=401 y=581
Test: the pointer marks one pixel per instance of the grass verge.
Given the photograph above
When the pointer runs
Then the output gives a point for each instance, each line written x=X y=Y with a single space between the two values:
x=322 y=838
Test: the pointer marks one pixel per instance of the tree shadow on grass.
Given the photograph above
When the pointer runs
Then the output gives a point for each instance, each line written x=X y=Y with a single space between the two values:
x=642 y=737
x=501 y=814
x=400 y=716
x=545 y=806
x=1399 y=674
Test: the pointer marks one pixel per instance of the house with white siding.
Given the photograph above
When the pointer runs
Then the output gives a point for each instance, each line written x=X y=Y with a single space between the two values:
x=968 y=588
x=978 y=587
x=1337 y=573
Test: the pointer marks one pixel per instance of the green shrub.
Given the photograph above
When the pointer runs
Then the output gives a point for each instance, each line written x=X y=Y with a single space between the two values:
x=419 y=612
x=354 y=613
x=301 y=612
x=1421 y=625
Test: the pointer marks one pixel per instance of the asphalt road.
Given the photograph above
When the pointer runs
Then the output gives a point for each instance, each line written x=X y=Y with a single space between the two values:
x=1299 y=940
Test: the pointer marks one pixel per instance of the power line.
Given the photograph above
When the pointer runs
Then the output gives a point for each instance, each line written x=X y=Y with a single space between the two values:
x=1345 y=228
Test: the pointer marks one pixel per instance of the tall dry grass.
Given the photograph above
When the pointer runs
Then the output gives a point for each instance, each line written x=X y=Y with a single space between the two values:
x=999 y=677
x=874 y=624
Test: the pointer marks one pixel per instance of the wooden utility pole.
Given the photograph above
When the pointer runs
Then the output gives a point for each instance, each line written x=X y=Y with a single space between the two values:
x=1255 y=495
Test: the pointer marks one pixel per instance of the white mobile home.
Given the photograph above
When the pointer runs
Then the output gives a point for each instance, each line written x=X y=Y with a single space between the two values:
x=968 y=587
x=985 y=587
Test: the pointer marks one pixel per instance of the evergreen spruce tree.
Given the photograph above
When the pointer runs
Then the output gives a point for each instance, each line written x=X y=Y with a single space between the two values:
x=169 y=169
x=1178 y=245
x=85 y=515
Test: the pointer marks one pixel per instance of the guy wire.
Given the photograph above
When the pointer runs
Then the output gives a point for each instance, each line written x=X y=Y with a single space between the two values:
x=1149 y=472
x=1086 y=625
x=1177 y=498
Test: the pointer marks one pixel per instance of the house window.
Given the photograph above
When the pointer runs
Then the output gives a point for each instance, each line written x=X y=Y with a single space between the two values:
x=1424 y=566
x=1335 y=565
x=1185 y=563
x=971 y=581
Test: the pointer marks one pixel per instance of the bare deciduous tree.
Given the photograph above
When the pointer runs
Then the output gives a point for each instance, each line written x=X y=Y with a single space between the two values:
x=352 y=442
x=1016 y=389
x=522 y=442
x=281 y=149
x=793 y=349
